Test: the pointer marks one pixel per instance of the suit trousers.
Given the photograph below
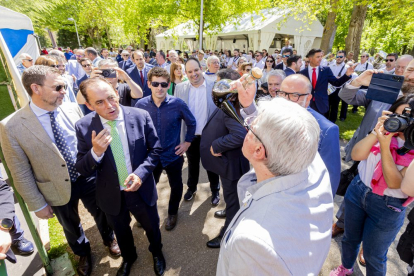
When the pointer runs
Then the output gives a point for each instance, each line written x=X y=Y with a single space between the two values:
x=174 y=173
x=68 y=216
x=147 y=216
x=193 y=157
x=16 y=232
x=231 y=199
x=334 y=100
x=314 y=107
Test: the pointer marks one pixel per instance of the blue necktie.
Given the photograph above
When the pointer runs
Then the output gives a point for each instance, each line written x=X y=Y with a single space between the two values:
x=63 y=147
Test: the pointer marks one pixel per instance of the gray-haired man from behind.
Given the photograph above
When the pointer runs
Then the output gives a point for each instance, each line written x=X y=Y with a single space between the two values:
x=286 y=199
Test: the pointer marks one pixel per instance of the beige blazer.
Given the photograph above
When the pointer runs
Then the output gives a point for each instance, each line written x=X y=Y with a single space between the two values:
x=38 y=169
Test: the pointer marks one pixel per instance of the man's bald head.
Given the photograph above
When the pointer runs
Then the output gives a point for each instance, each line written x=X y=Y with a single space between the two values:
x=300 y=84
x=402 y=63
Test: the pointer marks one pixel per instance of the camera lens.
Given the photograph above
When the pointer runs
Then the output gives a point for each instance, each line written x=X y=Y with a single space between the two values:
x=105 y=73
x=395 y=124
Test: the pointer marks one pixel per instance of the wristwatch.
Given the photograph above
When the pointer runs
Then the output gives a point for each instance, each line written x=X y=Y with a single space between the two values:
x=6 y=224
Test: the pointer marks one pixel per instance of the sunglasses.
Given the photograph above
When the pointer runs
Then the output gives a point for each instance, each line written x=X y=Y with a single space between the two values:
x=363 y=56
x=390 y=60
x=271 y=61
x=29 y=60
x=247 y=70
x=257 y=55
x=54 y=66
x=86 y=65
x=339 y=56
x=80 y=56
x=56 y=88
x=286 y=56
x=156 y=84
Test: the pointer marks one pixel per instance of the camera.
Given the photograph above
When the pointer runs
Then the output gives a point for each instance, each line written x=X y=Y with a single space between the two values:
x=108 y=73
x=402 y=123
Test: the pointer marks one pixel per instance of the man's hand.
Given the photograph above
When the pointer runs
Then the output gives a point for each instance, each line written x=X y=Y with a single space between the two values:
x=182 y=148
x=96 y=73
x=351 y=69
x=365 y=78
x=5 y=242
x=121 y=74
x=246 y=95
x=133 y=182
x=45 y=213
x=101 y=141
x=213 y=153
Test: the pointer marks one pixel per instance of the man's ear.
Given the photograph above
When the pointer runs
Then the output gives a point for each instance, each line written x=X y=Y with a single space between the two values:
x=35 y=88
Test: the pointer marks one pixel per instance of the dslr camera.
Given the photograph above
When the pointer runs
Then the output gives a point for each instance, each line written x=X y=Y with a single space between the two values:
x=402 y=123
x=108 y=73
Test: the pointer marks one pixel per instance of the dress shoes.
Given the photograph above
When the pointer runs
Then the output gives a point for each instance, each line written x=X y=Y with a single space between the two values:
x=215 y=198
x=336 y=230
x=361 y=258
x=85 y=265
x=220 y=214
x=189 y=195
x=113 y=248
x=171 y=222
x=23 y=247
x=125 y=268
x=159 y=264
x=214 y=243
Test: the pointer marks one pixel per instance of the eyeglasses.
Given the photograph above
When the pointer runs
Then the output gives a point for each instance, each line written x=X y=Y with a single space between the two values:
x=293 y=97
x=56 y=88
x=286 y=56
x=363 y=56
x=86 y=65
x=248 y=125
x=390 y=60
x=269 y=60
x=339 y=56
x=29 y=60
x=80 y=56
x=125 y=55
x=156 y=84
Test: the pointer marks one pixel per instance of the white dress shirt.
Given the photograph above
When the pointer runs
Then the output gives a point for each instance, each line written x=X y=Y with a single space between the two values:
x=120 y=127
x=363 y=66
x=310 y=71
x=233 y=62
x=197 y=100
x=336 y=68
x=259 y=64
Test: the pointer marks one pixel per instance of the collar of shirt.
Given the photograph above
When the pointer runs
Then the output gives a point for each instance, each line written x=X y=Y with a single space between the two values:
x=204 y=84
x=120 y=117
x=311 y=68
x=40 y=111
x=166 y=100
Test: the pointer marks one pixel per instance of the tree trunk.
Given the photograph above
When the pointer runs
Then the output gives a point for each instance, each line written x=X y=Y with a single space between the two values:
x=353 y=39
x=330 y=28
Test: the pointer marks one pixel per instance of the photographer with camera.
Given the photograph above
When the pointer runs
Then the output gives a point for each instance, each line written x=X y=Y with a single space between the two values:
x=374 y=202
x=109 y=70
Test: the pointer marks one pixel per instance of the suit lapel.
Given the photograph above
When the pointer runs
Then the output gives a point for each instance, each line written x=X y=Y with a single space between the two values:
x=96 y=125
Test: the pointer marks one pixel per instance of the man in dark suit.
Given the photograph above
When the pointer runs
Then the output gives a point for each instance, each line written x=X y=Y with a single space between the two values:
x=319 y=77
x=124 y=180
x=220 y=150
x=139 y=72
x=287 y=52
x=293 y=65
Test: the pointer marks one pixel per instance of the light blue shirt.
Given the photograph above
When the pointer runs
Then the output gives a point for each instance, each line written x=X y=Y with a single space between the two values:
x=21 y=68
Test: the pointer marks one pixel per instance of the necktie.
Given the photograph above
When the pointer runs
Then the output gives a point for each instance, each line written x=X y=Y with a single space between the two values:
x=314 y=78
x=63 y=147
x=142 y=77
x=118 y=153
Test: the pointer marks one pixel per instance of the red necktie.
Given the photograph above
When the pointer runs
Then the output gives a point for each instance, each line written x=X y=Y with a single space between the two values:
x=142 y=78
x=314 y=78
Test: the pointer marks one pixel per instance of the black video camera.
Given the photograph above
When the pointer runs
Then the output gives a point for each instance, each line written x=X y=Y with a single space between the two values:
x=109 y=73
x=402 y=123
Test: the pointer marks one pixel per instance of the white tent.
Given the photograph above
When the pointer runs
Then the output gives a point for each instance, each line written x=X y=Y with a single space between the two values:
x=266 y=30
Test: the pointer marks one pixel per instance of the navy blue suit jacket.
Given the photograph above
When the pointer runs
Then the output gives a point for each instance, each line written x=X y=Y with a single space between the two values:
x=144 y=149
x=279 y=66
x=329 y=148
x=320 y=93
x=288 y=71
x=79 y=81
x=134 y=75
x=226 y=136
x=126 y=64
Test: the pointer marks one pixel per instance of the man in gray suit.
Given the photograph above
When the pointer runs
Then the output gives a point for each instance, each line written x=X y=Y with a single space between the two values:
x=196 y=93
x=39 y=144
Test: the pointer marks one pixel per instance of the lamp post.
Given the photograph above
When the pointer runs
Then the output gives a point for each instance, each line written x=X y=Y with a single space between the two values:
x=76 y=28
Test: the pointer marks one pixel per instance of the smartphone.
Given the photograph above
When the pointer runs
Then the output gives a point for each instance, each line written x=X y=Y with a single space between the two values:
x=384 y=88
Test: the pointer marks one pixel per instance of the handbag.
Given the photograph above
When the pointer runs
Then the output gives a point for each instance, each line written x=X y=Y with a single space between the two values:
x=346 y=178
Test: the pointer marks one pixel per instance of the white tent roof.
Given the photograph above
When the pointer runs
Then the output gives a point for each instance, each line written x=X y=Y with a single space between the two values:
x=14 y=20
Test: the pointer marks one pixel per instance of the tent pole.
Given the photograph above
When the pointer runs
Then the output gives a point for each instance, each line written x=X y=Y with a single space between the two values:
x=200 y=38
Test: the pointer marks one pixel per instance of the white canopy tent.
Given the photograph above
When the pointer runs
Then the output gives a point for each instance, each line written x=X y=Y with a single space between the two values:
x=267 y=30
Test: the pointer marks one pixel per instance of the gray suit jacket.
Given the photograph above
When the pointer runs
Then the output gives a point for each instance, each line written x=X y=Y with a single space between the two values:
x=182 y=91
x=37 y=167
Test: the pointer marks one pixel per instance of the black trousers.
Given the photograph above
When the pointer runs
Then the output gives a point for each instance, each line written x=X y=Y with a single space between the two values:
x=68 y=216
x=334 y=100
x=314 y=107
x=146 y=215
x=231 y=199
x=174 y=173
x=193 y=156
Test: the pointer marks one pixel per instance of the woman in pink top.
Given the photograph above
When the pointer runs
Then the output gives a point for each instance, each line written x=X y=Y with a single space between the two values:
x=374 y=203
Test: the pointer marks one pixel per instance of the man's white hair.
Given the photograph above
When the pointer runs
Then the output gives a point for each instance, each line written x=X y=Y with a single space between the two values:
x=173 y=52
x=23 y=56
x=210 y=59
x=109 y=62
x=278 y=73
x=290 y=135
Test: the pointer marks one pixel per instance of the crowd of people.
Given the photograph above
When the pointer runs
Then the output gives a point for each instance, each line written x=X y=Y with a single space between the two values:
x=101 y=127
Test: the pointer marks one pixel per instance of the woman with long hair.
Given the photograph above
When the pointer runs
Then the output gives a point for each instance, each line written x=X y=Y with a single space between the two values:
x=374 y=202
x=270 y=65
x=177 y=76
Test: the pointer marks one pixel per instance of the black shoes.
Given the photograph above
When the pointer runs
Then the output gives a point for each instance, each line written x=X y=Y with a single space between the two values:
x=215 y=198
x=189 y=195
x=125 y=268
x=220 y=214
x=214 y=243
x=159 y=264
x=171 y=222
x=85 y=265
x=23 y=247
